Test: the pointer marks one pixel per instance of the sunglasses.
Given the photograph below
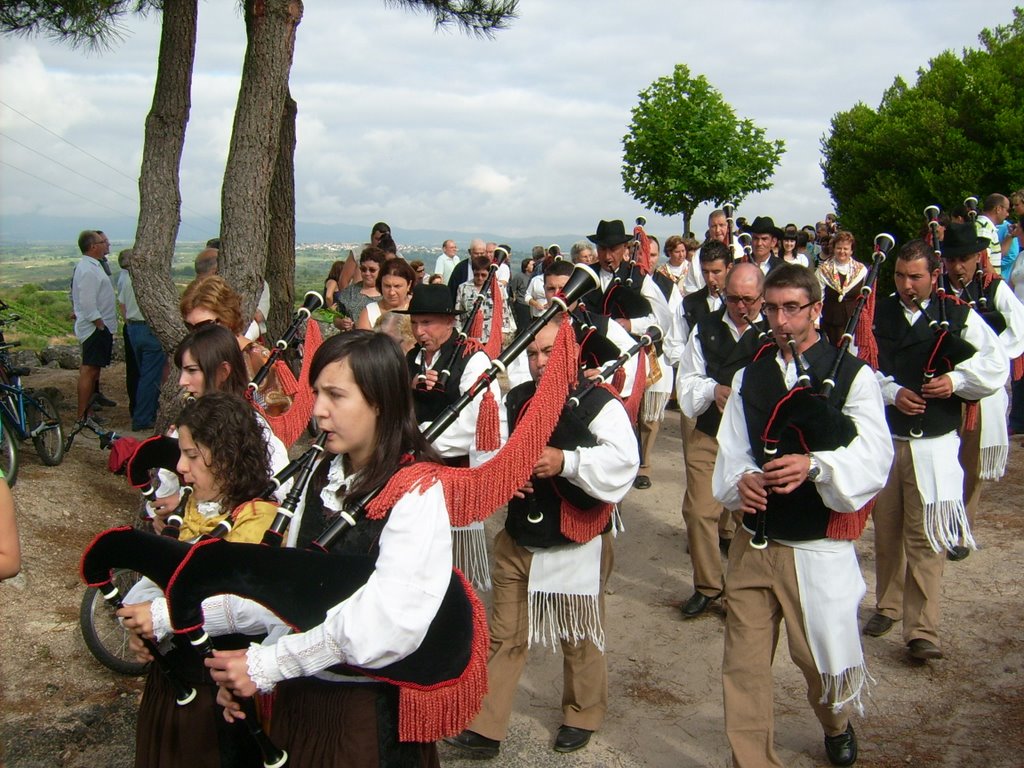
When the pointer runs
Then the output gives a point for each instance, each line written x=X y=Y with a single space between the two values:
x=201 y=324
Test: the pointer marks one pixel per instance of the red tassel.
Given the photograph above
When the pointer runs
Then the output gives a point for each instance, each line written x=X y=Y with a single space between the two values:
x=473 y=494
x=619 y=380
x=582 y=525
x=495 y=339
x=290 y=424
x=848 y=526
x=864 y=335
x=971 y=411
x=488 y=430
x=636 y=397
x=1018 y=368
x=476 y=328
x=429 y=714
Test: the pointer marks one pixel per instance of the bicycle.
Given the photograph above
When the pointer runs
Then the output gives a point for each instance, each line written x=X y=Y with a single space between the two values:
x=104 y=636
x=25 y=414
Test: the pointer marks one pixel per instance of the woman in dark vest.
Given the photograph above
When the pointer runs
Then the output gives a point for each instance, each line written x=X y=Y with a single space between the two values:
x=841 y=278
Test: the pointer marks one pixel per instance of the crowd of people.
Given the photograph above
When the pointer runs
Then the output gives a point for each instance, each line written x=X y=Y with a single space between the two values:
x=808 y=406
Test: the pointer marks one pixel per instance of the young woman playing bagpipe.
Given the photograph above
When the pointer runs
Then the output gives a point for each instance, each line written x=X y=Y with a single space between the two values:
x=364 y=405
x=210 y=361
x=224 y=459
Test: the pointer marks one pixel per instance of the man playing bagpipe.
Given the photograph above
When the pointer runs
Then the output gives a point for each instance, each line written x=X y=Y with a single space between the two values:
x=723 y=342
x=984 y=446
x=553 y=559
x=799 y=484
x=934 y=353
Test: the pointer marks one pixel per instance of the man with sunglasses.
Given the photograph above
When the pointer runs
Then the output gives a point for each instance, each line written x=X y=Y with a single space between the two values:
x=723 y=342
x=804 y=504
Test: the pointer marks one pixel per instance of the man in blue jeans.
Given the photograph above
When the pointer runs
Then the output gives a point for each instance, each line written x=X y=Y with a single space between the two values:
x=149 y=355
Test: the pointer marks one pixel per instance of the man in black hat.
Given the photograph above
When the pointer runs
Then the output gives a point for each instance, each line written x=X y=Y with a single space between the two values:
x=627 y=295
x=983 y=447
x=765 y=238
x=919 y=514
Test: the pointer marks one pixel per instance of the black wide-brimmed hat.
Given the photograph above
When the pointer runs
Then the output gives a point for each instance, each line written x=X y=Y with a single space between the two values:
x=429 y=300
x=609 y=234
x=764 y=225
x=962 y=240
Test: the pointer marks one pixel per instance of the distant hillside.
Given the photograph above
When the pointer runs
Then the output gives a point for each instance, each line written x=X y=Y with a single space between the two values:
x=23 y=229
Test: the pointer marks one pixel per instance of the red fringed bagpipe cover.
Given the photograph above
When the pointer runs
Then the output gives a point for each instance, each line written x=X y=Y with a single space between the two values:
x=290 y=424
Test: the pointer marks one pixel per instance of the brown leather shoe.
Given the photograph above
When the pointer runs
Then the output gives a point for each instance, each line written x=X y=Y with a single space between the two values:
x=923 y=649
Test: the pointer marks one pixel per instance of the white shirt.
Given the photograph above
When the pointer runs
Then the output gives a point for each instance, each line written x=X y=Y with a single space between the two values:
x=445 y=265
x=1010 y=307
x=535 y=291
x=126 y=296
x=986 y=228
x=694 y=388
x=92 y=295
x=679 y=330
x=850 y=475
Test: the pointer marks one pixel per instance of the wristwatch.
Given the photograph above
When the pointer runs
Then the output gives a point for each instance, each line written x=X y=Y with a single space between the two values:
x=814 y=470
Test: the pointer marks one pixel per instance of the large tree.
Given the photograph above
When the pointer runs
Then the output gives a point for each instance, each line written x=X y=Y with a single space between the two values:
x=956 y=132
x=686 y=146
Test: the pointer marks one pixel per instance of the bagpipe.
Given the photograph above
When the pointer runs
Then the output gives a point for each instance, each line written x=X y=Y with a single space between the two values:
x=730 y=225
x=651 y=336
x=446 y=676
x=465 y=333
x=817 y=422
x=971 y=204
x=290 y=424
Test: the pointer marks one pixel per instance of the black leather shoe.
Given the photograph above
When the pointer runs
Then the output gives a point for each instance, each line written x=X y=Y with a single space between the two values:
x=957 y=553
x=923 y=649
x=642 y=482
x=104 y=401
x=570 y=739
x=878 y=625
x=842 y=749
x=697 y=604
x=475 y=745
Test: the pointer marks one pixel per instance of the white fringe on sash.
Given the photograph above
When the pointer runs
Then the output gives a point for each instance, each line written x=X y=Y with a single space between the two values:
x=994 y=440
x=845 y=688
x=554 y=617
x=654 y=403
x=945 y=522
x=469 y=555
x=940 y=482
x=993 y=462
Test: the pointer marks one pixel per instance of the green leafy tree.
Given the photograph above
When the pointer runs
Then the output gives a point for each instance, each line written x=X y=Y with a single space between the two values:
x=686 y=146
x=954 y=133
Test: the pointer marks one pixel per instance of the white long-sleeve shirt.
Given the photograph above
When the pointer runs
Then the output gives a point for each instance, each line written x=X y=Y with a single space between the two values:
x=92 y=295
x=850 y=475
x=694 y=388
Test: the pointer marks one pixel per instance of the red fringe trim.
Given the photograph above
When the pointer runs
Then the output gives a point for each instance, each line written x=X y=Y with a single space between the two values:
x=632 y=403
x=472 y=494
x=488 y=429
x=1017 y=367
x=848 y=526
x=428 y=714
x=476 y=328
x=643 y=250
x=471 y=345
x=971 y=413
x=582 y=525
x=290 y=424
x=864 y=336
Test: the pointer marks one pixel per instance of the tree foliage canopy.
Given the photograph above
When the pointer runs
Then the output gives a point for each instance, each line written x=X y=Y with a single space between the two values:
x=91 y=23
x=955 y=133
x=685 y=146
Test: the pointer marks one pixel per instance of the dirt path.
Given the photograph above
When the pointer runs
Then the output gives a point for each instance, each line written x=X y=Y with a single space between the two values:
x=61 y=708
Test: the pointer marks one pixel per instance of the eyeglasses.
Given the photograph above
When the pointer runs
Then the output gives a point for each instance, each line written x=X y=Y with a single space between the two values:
x=202 y=323
x=787 y=309
x=746 y=300
x=368 y=267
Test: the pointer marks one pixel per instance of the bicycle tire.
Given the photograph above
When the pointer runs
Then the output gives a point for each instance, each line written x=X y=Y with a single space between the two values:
x=50 y=442
x=105 y=638
x=8 y=452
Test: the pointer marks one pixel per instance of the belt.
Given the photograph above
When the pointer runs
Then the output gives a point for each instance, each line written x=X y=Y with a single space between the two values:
x=136 y=322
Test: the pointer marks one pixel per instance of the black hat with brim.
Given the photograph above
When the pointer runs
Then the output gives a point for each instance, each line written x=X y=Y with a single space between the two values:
x=609 y=234
x=764 y=225
x=962 y=240
x=429 y=300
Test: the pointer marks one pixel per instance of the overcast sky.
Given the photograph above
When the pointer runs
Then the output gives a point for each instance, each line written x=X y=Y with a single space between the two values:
x=517 y=135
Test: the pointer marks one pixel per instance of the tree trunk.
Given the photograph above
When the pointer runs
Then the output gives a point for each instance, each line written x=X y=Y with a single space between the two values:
x=281 y=253
x=245 y=196
x=687 y=218
x=159 y=191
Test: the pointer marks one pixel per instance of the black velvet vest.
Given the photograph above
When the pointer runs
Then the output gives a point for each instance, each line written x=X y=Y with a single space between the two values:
x=800 y=515
x=363 y=539
x=429 y=404
x=723 y=356
x=622 y=298
x=973 y=294
x=536 y=520
x=695 y=307
x=903 y=350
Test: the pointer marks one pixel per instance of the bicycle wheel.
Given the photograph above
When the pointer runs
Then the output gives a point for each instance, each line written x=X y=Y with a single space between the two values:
x=8 y=452
x=42 y=415
x=105 y=638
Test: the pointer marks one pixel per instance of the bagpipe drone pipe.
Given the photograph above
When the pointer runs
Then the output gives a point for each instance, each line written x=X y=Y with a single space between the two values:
x=806 y=418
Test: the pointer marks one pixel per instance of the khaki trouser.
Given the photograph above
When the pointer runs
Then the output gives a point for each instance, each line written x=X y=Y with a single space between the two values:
x=584 y=667
x=908 y=572
x=761 y=591
x=703 y=514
